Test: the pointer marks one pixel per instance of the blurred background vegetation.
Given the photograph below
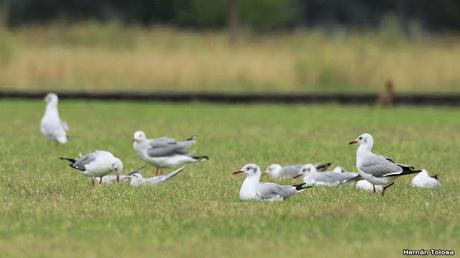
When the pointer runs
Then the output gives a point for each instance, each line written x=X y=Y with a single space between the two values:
x=184 y=45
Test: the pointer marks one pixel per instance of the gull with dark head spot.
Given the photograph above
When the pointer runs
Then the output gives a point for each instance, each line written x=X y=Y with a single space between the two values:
x=96 y=164
x=378 y=170
x=424 y=180
x=279 y=172
x=253 y=189
x=312 y=177
x=164 y=152
x=51 y=124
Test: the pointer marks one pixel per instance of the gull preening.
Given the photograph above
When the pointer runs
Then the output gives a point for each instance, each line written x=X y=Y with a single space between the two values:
x=96 y=164
x=138 y=180
x=51 y=124
x=253 y=189
x=164 y=152
x=311 y=177
x=279 y=172
x=378 y=170
x=424 y=180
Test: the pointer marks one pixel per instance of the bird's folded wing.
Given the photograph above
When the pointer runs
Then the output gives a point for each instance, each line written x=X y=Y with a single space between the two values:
x=379 y=166
x=272 y=190
x=85 y=160
x=291 y=170
x=159 y=149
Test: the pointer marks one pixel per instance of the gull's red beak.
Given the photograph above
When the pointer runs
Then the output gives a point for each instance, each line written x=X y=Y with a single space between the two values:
x=238 y=172
x=298 y=175
x=353 y=142
x=133 y=140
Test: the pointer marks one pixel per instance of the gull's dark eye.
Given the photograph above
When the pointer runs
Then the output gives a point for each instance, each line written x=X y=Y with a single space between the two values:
x=360 y=138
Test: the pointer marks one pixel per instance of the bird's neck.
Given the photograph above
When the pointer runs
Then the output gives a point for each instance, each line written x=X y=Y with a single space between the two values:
x=251 y=180
x=51 y=108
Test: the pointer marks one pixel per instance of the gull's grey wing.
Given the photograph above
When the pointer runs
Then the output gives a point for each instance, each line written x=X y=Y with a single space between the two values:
x=84 y=160
x=161 y=179
x=379 y=166
x=291 y=170
x=334 y=177
x=272 y=190
x=166 y=146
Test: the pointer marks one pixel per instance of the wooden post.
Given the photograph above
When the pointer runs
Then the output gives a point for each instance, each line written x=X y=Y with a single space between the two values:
x=233 y=21
x=386 y=98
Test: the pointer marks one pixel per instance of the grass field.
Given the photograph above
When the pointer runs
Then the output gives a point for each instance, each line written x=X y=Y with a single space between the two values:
x=107 y=57
x=47 y=210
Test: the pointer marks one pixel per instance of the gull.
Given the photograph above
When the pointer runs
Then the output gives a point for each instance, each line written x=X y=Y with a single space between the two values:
x=290 y=171
x=253 y=189
x=164 y=152
x=313 y=177
x=378 y=170
x=138 y=180
x=110 y=179
x=51 y=124
x=96 y=164
x=339 y=170
x=365 y=185
x=424 y=180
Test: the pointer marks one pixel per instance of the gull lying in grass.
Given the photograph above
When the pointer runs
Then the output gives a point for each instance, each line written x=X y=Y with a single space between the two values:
x=365 y=185
x=253 y=189
x=424 y=180
x=360 y=184
x=339 y=170
x=51 y=124
x=378 y=170
x=110 y=179
x=97 y=164
x=312 y=177
x=290 y=171
x=138 y=180
x=164 y=152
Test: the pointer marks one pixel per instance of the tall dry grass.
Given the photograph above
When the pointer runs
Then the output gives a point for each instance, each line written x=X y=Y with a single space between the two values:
x=92 y=56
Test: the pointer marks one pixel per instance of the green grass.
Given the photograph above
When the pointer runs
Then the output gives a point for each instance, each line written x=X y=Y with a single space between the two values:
x=47 y=210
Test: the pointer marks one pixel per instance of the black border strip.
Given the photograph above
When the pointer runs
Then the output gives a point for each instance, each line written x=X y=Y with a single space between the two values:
x=310 y=98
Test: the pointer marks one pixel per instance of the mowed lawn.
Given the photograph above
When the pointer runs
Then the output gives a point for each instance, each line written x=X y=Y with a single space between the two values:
x=48 y=210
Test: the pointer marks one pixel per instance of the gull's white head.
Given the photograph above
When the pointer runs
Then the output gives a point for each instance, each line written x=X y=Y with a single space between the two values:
x=117 y=165
x=424 y=172
x=274 y=170
x=365 y=140
x=51 y=98
x=249 y=170
x=339 y=170
x=306 y=170
x=139 y=136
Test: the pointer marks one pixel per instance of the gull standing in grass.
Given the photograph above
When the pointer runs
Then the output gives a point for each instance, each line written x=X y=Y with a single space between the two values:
x=164 y=152
x=253 y=189
x=424 y=180
x=51 y=124
x=138 y=180
x=290 y=171
x=378 y=170
x=97 y=164
x=313 y=177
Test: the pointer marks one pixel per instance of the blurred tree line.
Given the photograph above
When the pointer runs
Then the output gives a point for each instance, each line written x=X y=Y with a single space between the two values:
x=262 y=15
